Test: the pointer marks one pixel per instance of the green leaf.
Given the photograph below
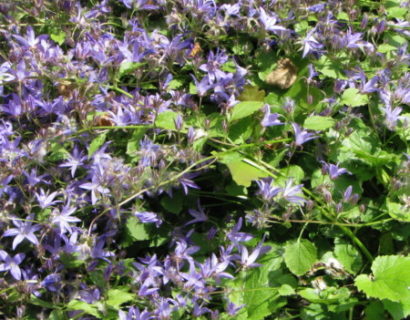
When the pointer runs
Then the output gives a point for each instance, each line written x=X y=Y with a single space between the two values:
x=397 y=310
x=349 y=257
x=374 y=310
x=254 y=288
x=319 y=123
x=136 y=229
x=57 y=152
x=166 y=120
x=57 y=315
x=96 y=144
x=291 y=172
x=251 y=93
x=330 y=295
x=134 y=142
x=242 y=173
x=390 y=280
x=127 y=67
x=58 y=37
x=70 y=260
x=242 y=129
x=85 y=307
x=175 y=84
x=41 y=303
x=353 y=98
x=397 y=211
x=245 y=109
x=330 y=68
x=173 y=204
x=117 y=297
x=300 y=255
x=394 y=10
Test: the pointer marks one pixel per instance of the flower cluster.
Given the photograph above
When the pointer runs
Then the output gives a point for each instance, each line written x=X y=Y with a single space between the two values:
x=136 y=134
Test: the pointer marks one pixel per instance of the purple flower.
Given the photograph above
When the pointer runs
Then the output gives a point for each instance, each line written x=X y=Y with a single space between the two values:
x=203 y=86
x=148 y=217
x=270 y=119
x=96 y=190
x=290 y=193
x=23 y=230
x=63 y=219
x=11 y=263
x=301 y=136
x=135 y=314
x=233 y=309
x=269 y=21
x=310 y=44
x=248 y=260
x=199 y=216
x=75 y=160
x=149 y=152
x=235 y=236
x=45 y=199
x=266 y=189
x=333 y=170
x=392 y=116
x=215 y=61
x=52 y=282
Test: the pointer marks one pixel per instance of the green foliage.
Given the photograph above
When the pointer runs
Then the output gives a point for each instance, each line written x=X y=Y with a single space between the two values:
x=245 y=109
x=300 y=255
x=390 y=279
x=262 y=289
x=353 y=98
x=96 y=143
x=318 y=123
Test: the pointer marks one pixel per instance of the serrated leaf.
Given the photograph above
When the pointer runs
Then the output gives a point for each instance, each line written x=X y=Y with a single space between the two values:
x=349 y=257
x=397 y=211
x=390 y=280
x=42 y=303
x=330 y=68
x=251 y=93
x=128 y=67
x=58 y=37
x=166 y=120
x=245 y=109
x=96 y=144
x=242 y=173
x=71 y=260
x=136 y=229
x=397 y=310
x=253 y=288
x=353 y=98
x=117 y=297
x=134 y=142
x=318 y=123
x=175 y=84
x=300 y=255
x=56 y=315
x=85 y=307
x=173 y=204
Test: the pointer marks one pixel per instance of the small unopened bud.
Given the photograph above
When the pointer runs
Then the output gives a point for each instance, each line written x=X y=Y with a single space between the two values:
x=354 y=199
x=178 y=122
x=327 y=195
x=362 y=208
x=339 y=207
x=364 y=22
x=309 y=205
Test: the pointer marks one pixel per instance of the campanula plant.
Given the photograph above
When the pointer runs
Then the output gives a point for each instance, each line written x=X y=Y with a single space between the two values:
x=203 y=159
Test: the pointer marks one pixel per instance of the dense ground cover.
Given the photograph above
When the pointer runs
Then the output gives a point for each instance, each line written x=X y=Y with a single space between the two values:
x=199 y=159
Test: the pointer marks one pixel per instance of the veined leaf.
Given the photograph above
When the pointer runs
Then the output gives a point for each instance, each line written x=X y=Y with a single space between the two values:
x=300 y=255
x=390 y=279
x=245 y=109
